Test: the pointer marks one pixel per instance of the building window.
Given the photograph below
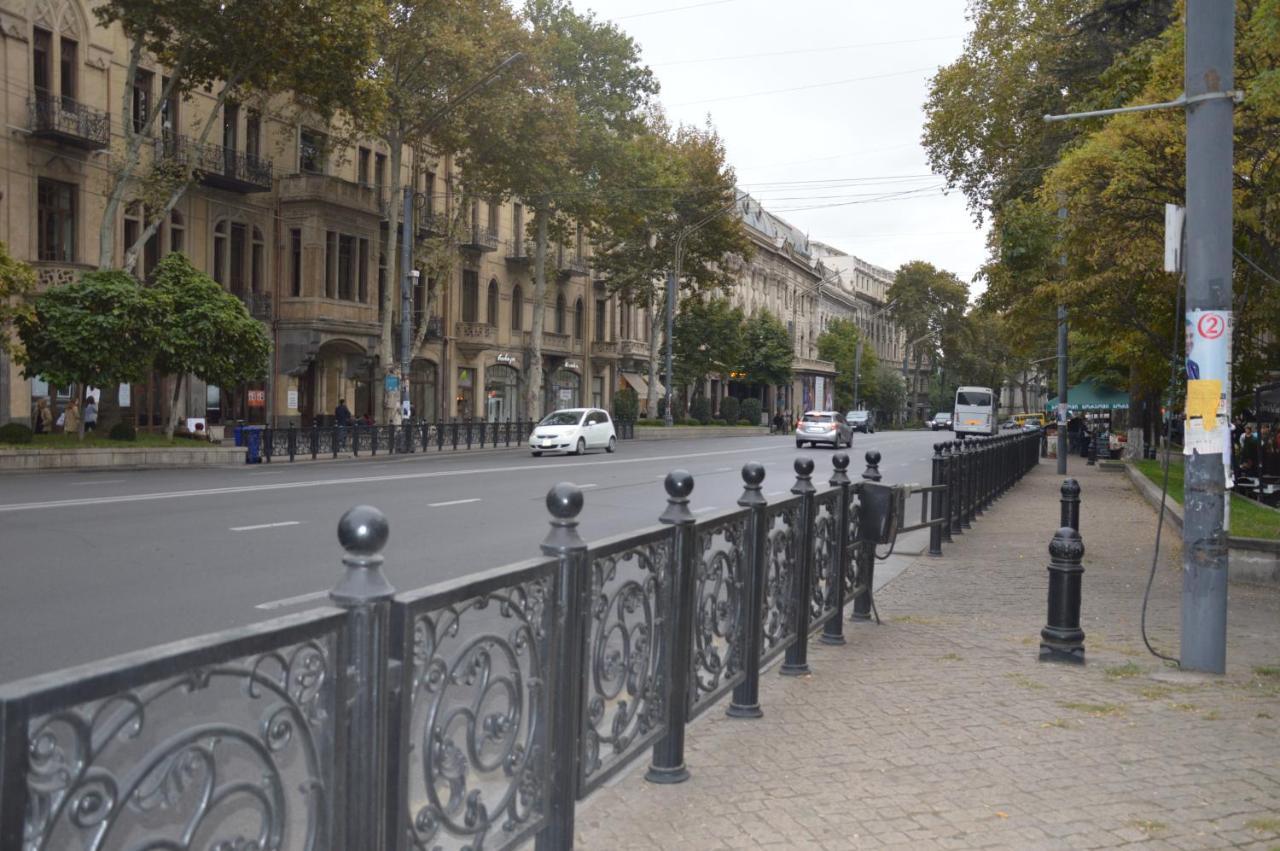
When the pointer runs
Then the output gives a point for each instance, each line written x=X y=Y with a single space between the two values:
x=56 y=220
x=362 y=167
x=256 y=261
x=231 y=127
x=470 y=295
x=577 y=320
x=141 y=100
x=236 y=266
x=517 y=308
x=295 y=262
x=624 y=315
x=494 y=209
x=600 y=319
x=68 y=63
x=42 y=61
x=429 y=190
x=311 y=151
x=491 y=305
x=362 y=295
x=419 y=300
x=382 y=273
x=253 y=134
x=177 y=232
x=517 y=231
x=578 y=247
x=560 y=313
x=132 y=225
x=220 y=252
x=346 y=266
x=380 y=171
x=330 y=264
x=168 y=113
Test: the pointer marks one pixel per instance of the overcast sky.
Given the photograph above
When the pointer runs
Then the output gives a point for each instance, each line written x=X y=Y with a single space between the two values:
x=820 y=104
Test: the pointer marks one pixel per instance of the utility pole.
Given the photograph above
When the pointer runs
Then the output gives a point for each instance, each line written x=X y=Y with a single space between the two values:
x=1210 y=44
x=406 y=294
x=1063 y=413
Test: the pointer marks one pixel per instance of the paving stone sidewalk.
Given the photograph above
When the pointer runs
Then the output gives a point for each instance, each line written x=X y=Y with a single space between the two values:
x=939 y=729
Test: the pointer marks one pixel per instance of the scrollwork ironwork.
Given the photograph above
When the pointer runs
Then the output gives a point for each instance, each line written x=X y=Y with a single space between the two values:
x=478 y=728
x=822 y=589
x=626 y=686
x=720 y=573
x=783 y=553
x=236 y=755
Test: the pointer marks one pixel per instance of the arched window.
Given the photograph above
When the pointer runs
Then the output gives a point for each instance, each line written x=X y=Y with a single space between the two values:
x=491 y=308
x=560 y=314
x=177 y=232
x=256 y=261
x=517 y=308
x=220 y=252
x=577 y=320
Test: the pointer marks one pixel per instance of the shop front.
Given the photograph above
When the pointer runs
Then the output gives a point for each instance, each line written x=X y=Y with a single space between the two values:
x=502 y=390
x=423 y=389
x=564 y=387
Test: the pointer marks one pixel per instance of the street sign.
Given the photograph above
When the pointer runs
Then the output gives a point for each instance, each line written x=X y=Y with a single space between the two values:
x=392 y=383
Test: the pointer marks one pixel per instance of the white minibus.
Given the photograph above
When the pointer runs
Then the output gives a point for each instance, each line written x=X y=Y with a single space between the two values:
x=975 y=411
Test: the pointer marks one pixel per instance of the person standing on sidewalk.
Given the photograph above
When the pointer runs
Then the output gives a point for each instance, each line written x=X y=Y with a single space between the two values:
x=44 y=417
x=342 y=419
x=90 y=415
x=71 y=417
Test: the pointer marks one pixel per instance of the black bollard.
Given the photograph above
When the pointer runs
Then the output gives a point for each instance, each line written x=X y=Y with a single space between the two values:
x=935 y=498
x=796 y=661
x=746 y=697
x=833 y=631
x=1070 y=504
x=1093 y=450
x=862 y=603
x=1062 y=639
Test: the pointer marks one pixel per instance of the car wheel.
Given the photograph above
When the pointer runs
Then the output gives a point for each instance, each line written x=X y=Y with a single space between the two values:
x=799 y=444
x=613 y=445
x=582 y=447
x=537 y=454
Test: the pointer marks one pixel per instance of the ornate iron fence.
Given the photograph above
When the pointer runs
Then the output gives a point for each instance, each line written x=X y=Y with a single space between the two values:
x=470 y=714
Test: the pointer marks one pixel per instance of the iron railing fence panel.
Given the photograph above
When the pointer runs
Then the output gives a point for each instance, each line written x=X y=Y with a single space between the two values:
x=826 y=530
x=853 y=548
x=721 y=574
x=626 y=684
x=925 y=495
x=227 y=740
x=782 y=565
x=471 y=739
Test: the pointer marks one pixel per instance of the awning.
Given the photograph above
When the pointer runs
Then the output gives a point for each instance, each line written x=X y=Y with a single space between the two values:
x=1088 y=396
x=641 y=385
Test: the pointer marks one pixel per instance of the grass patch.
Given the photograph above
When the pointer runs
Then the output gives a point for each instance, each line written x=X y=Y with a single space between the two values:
x=1264 y=825
x=1184 y=707
x=1156 y=692
x=1249 y=519
x=914 y=619
x=1149 y=827
x=1060 y=723
x=101 y=441
x=951 y=657
x=1025 y=681
x=1267 y=671
x=1120 y=672
x=1263 y=715
x=1097 y=710
x=1212 y=715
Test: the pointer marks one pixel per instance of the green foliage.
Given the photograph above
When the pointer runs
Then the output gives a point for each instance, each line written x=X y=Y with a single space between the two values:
x=123 y=431
x=15 y=433
x=766 y=349
x=889 y=393
x=839 y=344
x=626 y=404
x=17 y=282
x=750 y=410
x=98 y=331
x=206 y=331
x=700 y=409
x=707 y=338
x=662 y=407
x=729 y=409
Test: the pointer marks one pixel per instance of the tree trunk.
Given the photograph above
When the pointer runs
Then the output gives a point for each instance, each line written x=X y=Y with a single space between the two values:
x=652 y=398
x=132 y=155
x=533 y=369
x=382 y=400
x=173 y=408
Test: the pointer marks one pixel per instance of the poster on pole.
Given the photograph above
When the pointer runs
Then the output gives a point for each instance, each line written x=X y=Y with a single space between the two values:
x=1208 y=416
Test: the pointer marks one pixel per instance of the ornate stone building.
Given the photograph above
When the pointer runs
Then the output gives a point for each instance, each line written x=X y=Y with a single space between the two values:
x=296 y=226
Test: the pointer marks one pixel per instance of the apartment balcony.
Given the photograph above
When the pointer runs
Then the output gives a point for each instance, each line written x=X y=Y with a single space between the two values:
x=54 y=273
x=330 y=190
x=572 y=267
x=216 y=166
x=812 y=365
x=518 y=256
x=431 y=225
x=479 y=239
x=475 y=335
x=258 y=304
x=551 y=342
x=633 y=348
x=604 y=348
x=70 y=122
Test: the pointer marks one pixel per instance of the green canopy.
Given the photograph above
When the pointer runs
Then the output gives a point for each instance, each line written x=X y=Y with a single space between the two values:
x=1088 y=396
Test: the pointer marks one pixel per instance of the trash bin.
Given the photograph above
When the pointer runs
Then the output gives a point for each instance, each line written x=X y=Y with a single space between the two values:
x=252 y=444
x=237 y=434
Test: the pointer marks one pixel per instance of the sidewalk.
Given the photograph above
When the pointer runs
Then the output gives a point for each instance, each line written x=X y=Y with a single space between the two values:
x=940 y=729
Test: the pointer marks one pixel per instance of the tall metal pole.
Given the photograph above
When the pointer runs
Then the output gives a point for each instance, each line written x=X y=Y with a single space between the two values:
x=1209 y=54
x=1062 y=390
x=406 y=293
x=671 y=302
x=857 y=372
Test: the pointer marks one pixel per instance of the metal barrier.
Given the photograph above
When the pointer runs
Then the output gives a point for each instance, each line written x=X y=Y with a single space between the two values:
x=472 y=713
x=417 y=436
x=975 y=472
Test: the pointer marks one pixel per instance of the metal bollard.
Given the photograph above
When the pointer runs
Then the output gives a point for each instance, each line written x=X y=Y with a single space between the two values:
x=797 y=658
x=954 y=496
x=935 y=500
x=746 y=696
x=866 y=552
x=1093 y=451
x=1070 y=504
x=668 y=765
x=833 y=631
x=1062 y=639
x=948 y=506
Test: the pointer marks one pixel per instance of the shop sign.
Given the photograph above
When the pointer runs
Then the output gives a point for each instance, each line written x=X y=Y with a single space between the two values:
x=293 y=400
x=572 y=364
x=504 y=357
x=392 y=383
x=257 y=398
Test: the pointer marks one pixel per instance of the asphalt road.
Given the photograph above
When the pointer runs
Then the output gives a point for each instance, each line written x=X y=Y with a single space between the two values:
x=97 y=564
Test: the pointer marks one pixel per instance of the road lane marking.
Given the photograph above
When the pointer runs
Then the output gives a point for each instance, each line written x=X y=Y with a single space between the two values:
x=355 y=480
x=703 y=510
x=775 y=493
x=292 y=601
x=452 y=502
x=584 y=487
x=104 y=482
x=266 y=526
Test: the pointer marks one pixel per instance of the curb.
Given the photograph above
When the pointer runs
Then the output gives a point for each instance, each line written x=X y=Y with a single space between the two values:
x=1252 y=560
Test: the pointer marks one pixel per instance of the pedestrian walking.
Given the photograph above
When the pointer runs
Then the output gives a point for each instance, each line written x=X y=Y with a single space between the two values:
x=71 y=418
x=90 y=415
x=778 y=423
x=44 y=417
x=342 y=414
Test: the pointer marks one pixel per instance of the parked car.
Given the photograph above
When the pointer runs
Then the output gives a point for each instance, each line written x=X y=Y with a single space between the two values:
x=573 y=430
x=1010 y=425
x=941 y=422
x=863 y=421
x=828 y=427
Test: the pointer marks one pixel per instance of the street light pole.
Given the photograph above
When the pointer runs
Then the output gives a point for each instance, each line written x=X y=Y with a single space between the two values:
x=406 y=296
x=667 y=419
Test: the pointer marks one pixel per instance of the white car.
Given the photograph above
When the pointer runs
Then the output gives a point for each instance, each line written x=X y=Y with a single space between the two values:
x=573 y=430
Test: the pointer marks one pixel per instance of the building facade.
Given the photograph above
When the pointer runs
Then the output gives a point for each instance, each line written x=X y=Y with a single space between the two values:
x=295 y=223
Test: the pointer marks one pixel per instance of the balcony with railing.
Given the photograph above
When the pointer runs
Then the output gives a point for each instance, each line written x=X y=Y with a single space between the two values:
x=431 y=224
x=633 y=348
x=572 y=265
x=330 y=190
x=551 y=342
x=518 y=254
x=258 y=305
x=476 y=334
x=604 y=348
x=216 y=166
x=480 y=239
x=68 y=121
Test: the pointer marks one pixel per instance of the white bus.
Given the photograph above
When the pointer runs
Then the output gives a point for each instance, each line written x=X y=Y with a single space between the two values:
x=975 y=411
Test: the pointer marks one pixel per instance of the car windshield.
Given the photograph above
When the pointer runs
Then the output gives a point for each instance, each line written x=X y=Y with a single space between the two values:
x=817 y=418
x=941 y=417
x=561 y=418
x=857 y=415
x=973 y=397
